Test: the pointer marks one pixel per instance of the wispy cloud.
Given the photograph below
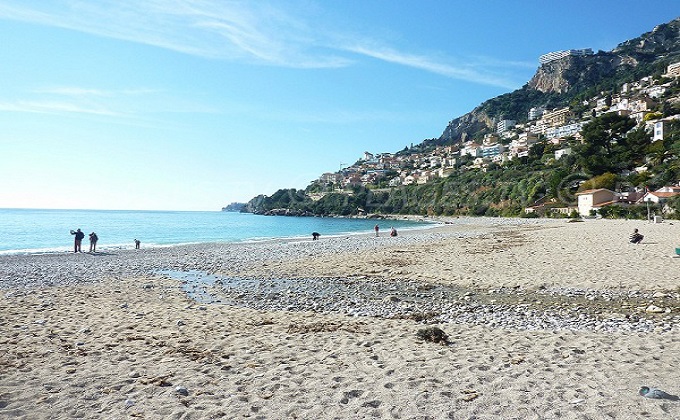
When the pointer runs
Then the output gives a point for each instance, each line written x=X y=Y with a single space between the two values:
x=207 y=28
x=255 y=31
x=54 y=107
x=469 y=73
x=125 y=104
x=72 y=91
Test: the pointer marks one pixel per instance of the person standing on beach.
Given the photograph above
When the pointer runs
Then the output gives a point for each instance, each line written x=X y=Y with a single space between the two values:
x=377 y=230
x=137 y=243
x=78 y=240
x=93 y=242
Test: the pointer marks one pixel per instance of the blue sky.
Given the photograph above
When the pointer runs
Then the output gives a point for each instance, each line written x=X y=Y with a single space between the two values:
x=193 y=104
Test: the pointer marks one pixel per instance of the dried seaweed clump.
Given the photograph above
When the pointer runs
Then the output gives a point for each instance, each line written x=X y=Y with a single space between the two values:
x=434 y=335
x=317 y=327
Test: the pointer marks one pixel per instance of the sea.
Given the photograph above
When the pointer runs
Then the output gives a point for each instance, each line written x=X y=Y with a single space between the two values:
x=38 y=231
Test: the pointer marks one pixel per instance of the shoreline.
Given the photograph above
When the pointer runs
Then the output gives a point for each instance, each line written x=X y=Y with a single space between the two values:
x=420 y=223
x=99 y=336
x=231 y=258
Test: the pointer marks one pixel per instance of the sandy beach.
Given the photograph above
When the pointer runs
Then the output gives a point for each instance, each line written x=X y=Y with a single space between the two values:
x=545 y=319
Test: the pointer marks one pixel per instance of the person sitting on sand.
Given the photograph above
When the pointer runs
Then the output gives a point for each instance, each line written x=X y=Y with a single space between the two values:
x=93 y=242
x=393 y=232
x=636 y=237
x=315 y=235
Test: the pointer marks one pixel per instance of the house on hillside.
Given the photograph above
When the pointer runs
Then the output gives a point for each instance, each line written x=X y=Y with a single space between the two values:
x=562 y=152
x=472 y=149
x=394 y=182
x=410 y=179
x=661 y=195
x=595 y=199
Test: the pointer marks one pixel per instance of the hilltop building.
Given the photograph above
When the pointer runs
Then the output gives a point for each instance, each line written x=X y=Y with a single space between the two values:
x=556 y=55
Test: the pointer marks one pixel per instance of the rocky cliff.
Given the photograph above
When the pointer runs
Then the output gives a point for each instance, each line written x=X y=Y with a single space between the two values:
x=558 y=82
x=561 y=75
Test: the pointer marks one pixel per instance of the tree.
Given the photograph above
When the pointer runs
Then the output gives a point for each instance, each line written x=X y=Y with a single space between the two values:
x=605 y=130
x=606 y=180
x=634 y=146
x=599 y=153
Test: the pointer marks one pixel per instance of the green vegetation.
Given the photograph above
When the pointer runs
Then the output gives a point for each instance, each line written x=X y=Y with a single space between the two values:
x=506 y=190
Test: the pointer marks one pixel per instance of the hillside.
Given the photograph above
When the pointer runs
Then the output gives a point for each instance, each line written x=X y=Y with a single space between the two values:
x=598 y=120
x=566 y=80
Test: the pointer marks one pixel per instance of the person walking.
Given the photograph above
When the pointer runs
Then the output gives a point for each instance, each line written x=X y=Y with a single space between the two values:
x=79 y=235
x=93 y=242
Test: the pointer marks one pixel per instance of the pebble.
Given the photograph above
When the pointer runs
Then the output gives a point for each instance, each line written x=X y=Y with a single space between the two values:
x=653 y=309
x=182 y=391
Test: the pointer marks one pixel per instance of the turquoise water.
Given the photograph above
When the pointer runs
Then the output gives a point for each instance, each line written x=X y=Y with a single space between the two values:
x=39 y=231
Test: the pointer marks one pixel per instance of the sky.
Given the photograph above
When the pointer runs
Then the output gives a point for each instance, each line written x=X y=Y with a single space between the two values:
x=194 y=104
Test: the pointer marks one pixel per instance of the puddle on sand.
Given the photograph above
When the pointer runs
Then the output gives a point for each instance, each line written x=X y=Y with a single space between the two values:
x=255 y=293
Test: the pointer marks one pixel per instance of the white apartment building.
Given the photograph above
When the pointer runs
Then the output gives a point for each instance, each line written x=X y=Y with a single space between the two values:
x=673 y=70
x=504 y=125
x=557 y=117
x=556 y=55
x=471 y=149
x=564 y=130
x=492 y=150
x=660 y=129
x=535 y=113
